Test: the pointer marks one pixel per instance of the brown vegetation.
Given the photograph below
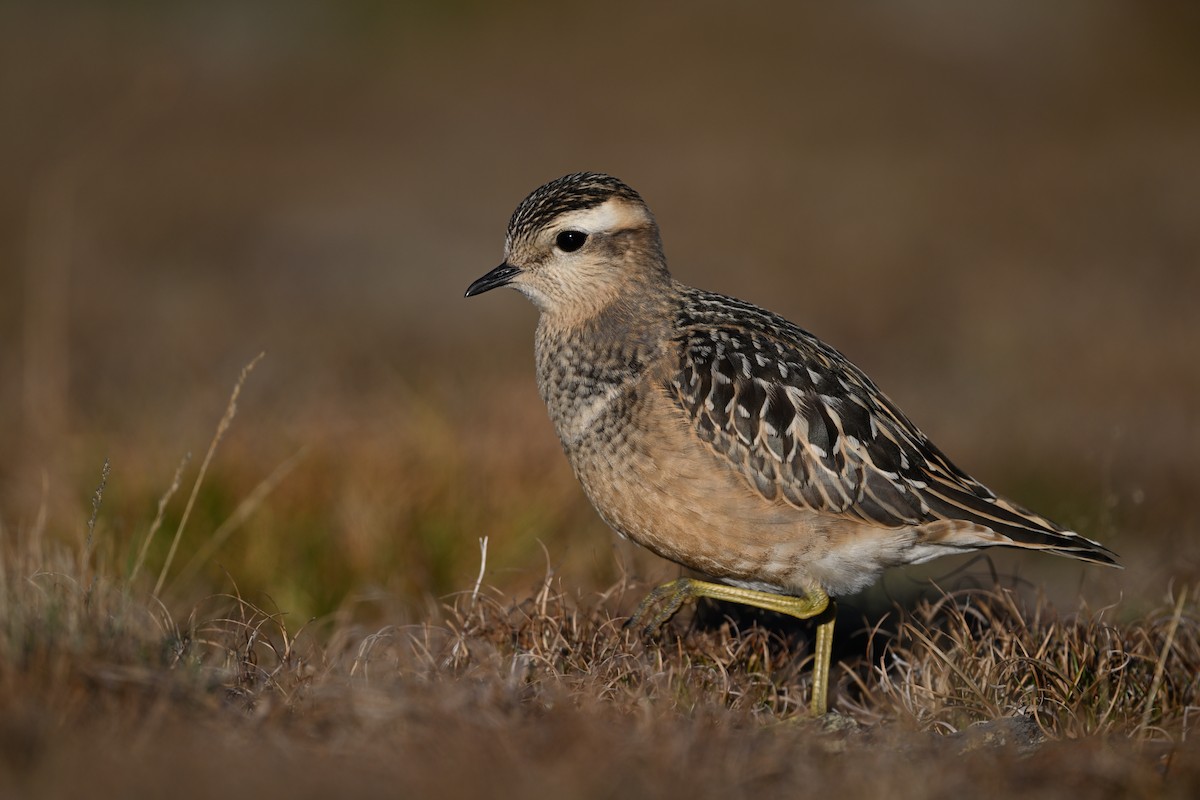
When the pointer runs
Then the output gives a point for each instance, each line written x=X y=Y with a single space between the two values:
x=491 y=696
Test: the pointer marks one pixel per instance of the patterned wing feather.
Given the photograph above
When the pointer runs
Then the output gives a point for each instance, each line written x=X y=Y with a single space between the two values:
x=807 y=427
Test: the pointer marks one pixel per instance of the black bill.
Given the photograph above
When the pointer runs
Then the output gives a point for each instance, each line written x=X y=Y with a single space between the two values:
x=500 y=276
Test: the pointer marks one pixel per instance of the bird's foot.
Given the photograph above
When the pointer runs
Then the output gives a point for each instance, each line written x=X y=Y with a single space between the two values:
x=662 y=603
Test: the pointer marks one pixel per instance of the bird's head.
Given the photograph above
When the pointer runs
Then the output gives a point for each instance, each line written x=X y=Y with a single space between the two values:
x=577 y=244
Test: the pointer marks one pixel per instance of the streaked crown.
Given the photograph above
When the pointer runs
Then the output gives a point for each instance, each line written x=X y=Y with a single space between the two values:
x=574 y=192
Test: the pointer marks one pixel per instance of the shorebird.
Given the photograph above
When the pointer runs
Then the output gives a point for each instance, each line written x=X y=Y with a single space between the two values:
x=725 y=438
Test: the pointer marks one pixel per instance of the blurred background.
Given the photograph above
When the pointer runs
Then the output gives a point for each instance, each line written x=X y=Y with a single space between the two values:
x=991 y=207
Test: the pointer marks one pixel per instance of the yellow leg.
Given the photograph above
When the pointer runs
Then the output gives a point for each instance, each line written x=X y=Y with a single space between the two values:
x=669 y=597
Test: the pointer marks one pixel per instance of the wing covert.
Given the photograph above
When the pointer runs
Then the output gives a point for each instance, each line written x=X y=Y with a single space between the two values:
x=800 y=422
x=806 y=426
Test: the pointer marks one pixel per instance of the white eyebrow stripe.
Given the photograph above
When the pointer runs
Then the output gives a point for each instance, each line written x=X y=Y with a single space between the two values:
x=611 y=215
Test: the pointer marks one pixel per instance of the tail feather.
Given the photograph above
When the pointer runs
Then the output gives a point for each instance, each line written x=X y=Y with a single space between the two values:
x=996 y=522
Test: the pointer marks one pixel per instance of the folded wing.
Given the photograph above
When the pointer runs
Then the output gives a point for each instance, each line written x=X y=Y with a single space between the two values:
x=807 y=427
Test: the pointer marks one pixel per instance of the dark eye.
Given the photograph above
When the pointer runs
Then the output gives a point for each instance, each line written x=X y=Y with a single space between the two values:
x=570 y=241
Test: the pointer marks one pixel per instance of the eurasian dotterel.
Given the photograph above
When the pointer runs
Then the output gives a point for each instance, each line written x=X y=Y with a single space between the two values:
x=725 y=438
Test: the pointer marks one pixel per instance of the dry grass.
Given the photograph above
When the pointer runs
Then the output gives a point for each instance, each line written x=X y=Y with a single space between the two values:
x=488 y=695
x=983 y=654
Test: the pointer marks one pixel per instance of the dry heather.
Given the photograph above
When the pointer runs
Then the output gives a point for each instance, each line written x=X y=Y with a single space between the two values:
x=113 y=685
x=107 y=691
